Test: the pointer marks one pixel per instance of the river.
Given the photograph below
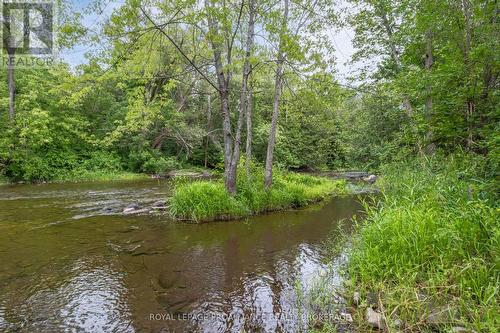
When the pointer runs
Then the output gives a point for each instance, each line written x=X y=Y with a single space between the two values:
x=71 y=262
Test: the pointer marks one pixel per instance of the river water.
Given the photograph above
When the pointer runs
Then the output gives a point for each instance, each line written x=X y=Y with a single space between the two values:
x=71 y=262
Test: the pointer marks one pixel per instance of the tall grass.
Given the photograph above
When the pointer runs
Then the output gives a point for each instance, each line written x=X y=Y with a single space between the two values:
x=435 y=236
x=209 y=200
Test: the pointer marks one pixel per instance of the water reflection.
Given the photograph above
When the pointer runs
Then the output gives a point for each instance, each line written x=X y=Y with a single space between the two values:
x=108 y=273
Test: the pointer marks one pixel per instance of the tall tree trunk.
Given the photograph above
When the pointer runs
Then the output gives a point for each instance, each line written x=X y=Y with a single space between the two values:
x=470 y=105
x=235 y=159
x=245 y=94
x=229 y=170
x=268 y=172
x=429 y=61
x=248 y=150
x=223 y=88
x=209 y=127
x=11 y=84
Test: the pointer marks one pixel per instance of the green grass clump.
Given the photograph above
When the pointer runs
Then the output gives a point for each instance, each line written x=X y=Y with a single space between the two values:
x=208 y=200
x=203 y=200
x=434 y=235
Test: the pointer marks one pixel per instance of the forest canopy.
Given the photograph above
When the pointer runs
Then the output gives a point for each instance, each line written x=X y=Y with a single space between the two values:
x=202 y=83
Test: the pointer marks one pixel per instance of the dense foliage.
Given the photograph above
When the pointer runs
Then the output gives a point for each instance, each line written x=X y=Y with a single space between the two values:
x=141 y=107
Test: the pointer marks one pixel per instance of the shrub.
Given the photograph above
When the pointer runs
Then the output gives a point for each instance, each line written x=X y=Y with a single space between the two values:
x=152 y=162
x=41 y=167
x=102 y=161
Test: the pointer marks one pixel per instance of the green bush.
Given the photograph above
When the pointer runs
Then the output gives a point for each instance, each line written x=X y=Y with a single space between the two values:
x=157 y=165
x=102 y=161
x=41 y=166
x=152 y=162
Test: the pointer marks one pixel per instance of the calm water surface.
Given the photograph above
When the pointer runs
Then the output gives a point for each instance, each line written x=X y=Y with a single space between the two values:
x=71 y=262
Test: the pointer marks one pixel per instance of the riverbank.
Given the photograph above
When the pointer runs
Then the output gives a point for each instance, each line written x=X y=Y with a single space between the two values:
x=103 y=176
x=203 y=201
x=94 y=176
x=427 y=256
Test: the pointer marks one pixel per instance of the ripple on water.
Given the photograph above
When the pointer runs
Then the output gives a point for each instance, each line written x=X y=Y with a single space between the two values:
x=92 y=300
x=108 y=273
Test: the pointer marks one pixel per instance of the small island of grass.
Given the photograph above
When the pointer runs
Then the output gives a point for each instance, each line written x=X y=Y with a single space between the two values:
x=208 y=200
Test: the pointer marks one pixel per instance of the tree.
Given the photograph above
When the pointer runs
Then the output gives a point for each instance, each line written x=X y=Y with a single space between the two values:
x=246 y=99
x=268 y=172
x=377 y=24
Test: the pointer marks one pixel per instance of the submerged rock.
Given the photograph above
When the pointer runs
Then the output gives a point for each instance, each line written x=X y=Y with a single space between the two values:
x=130 y=208
x=109 y=210
x=159 y=205
x=135 y=211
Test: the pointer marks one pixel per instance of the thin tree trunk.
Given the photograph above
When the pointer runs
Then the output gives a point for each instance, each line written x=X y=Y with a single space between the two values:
x=470 y=105
x=268 y=172
x=229 y=171
x=248 y=150
x=223 y=88
x=429 y=61
x=11 y=84
x=209 y=127
x=245 y=98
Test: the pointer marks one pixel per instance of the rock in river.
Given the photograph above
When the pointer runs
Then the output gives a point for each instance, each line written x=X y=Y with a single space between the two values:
x=159 y=205
x=131 y=208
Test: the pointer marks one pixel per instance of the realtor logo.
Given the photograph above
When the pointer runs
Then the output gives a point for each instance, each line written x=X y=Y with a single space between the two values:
x=28 y=31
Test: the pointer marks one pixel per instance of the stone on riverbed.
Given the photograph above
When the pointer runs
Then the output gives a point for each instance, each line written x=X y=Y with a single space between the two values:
x=159 y=205
x=136 y=211
x=130 y=208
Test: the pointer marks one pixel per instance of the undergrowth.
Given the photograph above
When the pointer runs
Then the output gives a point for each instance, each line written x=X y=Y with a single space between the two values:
x=432 y=241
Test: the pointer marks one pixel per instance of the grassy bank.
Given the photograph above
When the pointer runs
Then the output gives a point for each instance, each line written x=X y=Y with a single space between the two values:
x=431 y=245
x=208 y=200
x=90 y=176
